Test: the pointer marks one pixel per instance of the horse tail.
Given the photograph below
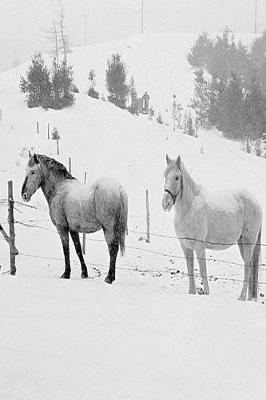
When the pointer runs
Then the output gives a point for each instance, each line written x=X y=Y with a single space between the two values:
x=255 y=266
x=121 y=221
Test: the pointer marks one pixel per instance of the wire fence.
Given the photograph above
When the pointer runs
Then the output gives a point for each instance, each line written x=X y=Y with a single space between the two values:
x=34 y=223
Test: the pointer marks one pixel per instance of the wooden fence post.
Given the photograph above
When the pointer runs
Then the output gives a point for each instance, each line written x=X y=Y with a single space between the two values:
x=11 y=228
x=37 y=126
x=48 y=130
x=69 y=165
x=84 y=234
x=148 y=236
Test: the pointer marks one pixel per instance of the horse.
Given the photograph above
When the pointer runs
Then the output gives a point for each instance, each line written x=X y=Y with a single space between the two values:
x=213 y=220
x=75 y=207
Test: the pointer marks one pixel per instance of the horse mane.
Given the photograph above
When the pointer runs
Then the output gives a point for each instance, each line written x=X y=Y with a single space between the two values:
x=189 y=180
x=51 y=164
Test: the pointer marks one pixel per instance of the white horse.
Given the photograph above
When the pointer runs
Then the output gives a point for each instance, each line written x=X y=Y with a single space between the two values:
x=213 y=220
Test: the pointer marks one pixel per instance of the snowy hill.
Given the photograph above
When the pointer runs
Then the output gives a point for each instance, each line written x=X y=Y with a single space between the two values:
x=76 y=339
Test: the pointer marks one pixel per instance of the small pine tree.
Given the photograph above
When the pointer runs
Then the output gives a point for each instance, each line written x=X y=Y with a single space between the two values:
x=37 y=85
x=116 y=81
x=56 y=136
x=92 y=92
x=133 y=108
x=159 y=118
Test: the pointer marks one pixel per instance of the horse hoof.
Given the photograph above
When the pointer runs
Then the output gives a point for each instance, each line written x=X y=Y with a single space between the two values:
x=84 y=275
x=65 y=276
x=108 y=280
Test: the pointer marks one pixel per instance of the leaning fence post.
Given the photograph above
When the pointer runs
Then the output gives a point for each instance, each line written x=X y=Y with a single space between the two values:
x=148 y=237
x=84 y=234
x=11 y=228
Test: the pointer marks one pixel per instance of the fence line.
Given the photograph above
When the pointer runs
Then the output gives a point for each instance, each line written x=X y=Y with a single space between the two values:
x=157 y=252
x=197 y=275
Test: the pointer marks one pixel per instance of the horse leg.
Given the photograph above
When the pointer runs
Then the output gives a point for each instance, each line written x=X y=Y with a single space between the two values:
x=64 y=236
x=190 y=268
x=113 y=247
x=76 y=241
x=201 y=256
x=246 y=253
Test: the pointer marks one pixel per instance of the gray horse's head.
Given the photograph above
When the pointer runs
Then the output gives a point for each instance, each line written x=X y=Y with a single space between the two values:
x=33 y=178
x=173 y=184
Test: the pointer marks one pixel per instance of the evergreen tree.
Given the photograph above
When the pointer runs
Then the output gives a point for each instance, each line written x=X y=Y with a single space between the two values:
x=201 y=101
x=92 y=92
x=188 y=128
x=231 y=115
x=253 y=110
x=216 y=90
x=133 y=108
x=37 y=85
x=62 y=83
x=219 y=62
x=199 y=55
x=116 y=81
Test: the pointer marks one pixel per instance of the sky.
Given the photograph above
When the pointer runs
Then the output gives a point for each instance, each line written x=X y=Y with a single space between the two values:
x=24 y=23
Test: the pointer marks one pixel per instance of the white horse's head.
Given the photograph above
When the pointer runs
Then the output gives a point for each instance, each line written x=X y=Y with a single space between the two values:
x=173 y=183
x=33 y=178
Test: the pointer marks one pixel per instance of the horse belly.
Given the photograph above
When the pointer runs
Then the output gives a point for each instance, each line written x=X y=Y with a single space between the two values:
x=80 y=215
x=224 y=229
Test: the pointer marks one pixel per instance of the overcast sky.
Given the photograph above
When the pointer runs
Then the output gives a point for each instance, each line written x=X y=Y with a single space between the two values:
x=23 y=22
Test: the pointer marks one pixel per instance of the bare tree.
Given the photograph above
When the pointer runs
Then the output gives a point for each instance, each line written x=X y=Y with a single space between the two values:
x=64 y=38
x=51 y=35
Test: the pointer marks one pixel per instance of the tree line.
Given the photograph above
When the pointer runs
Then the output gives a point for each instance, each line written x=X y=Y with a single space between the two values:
x=54 y=87
x=229 y=84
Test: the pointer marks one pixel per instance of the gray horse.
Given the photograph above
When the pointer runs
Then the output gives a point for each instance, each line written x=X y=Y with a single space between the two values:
x=75 y=207
x=213 y=220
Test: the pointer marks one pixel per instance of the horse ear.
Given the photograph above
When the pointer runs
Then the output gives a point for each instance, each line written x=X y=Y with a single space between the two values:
x=35 y=159
x=168 y=159
x=178 y=161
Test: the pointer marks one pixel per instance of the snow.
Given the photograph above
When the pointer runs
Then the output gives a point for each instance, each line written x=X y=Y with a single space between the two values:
x=143 y=337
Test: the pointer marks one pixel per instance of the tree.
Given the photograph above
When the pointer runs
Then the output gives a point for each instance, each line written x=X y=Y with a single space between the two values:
x=116 y=81
x=188 y=128
x=64 y=38
x=62 y=83
x=201 y=101
x=231 y=119
x=133 y=108
x=199 y=55
x=216 y=90
x=37 y=85
x=92 y=92
x=56 y=136
x=253 y=110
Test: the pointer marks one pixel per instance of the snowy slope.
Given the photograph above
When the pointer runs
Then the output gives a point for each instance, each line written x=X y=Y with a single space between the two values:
x=143 y=337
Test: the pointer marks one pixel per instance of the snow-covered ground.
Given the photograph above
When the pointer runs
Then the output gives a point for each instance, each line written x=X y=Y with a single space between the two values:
x=143 y=337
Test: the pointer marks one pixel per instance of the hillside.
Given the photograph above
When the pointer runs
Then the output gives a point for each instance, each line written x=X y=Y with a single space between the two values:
x=76 y=339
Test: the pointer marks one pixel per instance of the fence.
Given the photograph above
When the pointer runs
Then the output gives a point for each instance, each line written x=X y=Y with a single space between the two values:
x=33 y=224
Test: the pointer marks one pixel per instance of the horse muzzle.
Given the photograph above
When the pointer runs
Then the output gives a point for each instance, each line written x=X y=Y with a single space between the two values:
x=167 y=202
x=25 y=197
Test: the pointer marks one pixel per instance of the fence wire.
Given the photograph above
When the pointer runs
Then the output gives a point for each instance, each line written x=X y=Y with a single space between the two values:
x=32 y=223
